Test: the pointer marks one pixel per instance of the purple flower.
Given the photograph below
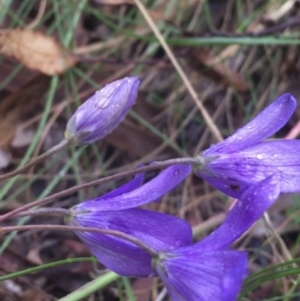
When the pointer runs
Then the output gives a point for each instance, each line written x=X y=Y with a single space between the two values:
x=244 y=159
x=103 y=112
x=116 y=211
x=209 y=270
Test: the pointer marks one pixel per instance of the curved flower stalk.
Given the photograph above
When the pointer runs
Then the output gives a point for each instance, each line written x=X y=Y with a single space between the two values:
x=209 y=270
x=116 y=211
x=244 y=158
x=103 y=112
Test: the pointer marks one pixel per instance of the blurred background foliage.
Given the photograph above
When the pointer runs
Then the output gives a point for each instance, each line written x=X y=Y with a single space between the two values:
x=238 y=55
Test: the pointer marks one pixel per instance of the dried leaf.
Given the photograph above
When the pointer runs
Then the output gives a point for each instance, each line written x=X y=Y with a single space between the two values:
x=36 y=51
x=12 y=287
x=5 y=159
x=218 y=71
x=158 y=13
x=34 y=293
x=19 y=104
x=279 y=9
x=134 y=138
x=21 y=79
x=142 y=288
x=22 y=137
x=33 y=255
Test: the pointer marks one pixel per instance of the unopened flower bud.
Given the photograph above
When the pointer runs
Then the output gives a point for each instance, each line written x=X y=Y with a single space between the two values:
x=102 y=112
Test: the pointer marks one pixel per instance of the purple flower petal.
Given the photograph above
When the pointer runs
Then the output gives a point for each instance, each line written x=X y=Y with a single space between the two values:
x=255 y=163
x=194 y=275
x=232 y=282
x=248 y=209
x=102 y=112
x=150 y=191
x=264 y=125
x=159 y=231
x=229 y=188
x=133 y=184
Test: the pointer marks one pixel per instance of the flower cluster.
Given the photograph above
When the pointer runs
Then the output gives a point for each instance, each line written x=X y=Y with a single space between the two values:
x=243 y=166
x=207 y=270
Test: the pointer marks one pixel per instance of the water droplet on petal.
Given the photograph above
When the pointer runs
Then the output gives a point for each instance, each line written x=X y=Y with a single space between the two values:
x=259 y=156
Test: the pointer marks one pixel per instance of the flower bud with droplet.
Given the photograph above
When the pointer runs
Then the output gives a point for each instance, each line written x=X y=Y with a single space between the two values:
x=103 y=112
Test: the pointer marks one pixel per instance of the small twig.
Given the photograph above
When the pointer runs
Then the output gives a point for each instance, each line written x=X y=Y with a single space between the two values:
x=180 y=71
x=209 y=224
x=294 y=132
x=116 y=233
x=120 y=61
x=162 y=295
x=110 y=43
x=283 y=246
x=36 y=21
x=45 y=211
x=153 y=166
x=36 y=160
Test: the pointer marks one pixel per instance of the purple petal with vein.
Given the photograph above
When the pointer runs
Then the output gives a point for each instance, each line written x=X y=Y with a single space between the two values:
x=159 y=231
x=229 y=188
x=194 y=275
x=103 y=112
x=248 y=209
x=264 y=125
x=150 y=191
x=255 y=163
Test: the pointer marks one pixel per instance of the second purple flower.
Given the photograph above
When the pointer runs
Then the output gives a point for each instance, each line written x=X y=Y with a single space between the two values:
x=245 y=158
x=116 y=211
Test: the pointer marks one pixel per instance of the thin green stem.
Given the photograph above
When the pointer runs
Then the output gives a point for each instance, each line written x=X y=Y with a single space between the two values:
x=5 y=7
x=91 y=287
x=220 y=41
x=291 y=292
x=153 y=166
x=46 y=266
x=50 y=98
